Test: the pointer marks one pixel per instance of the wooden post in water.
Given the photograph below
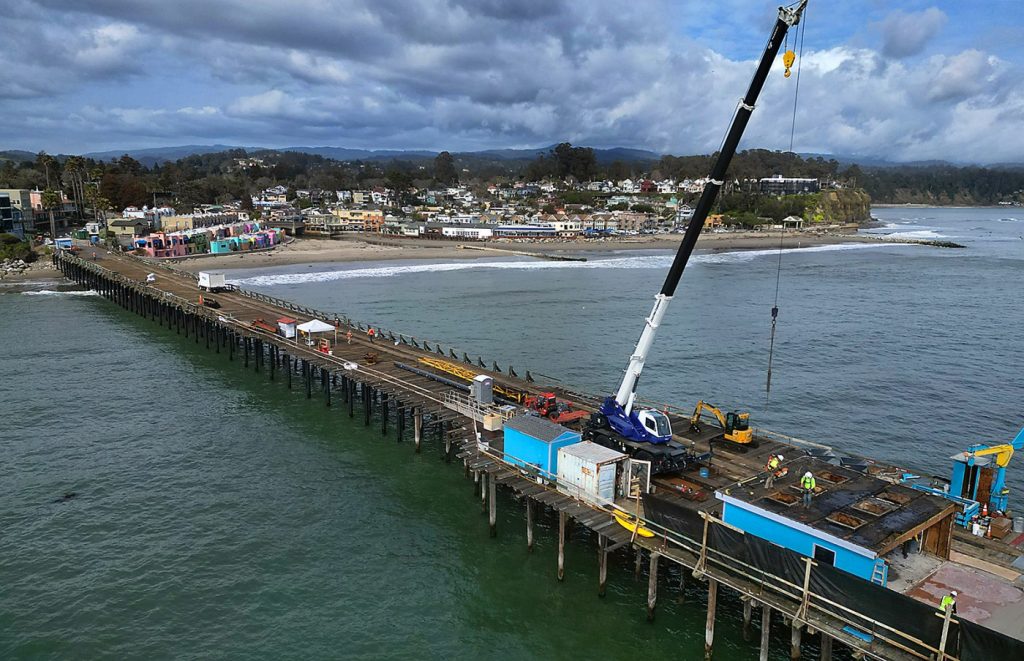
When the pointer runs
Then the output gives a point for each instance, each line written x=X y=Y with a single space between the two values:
x=367 y=404
x=383 y=413
x=602 y=564
x=826 y=647
x=245 y=348
x=529 y=524
x=709 y=627
x=794 y=640
x=351 y=389
x=307 y=368
x=417 y=427
x=288 y=368
x=492 y=506
x=563 y=518
x=327 y=387
x=652 y=586
x=483 y=490
x=638 y=564
x=273 y=360
x=766 y=627
x=682 y=585
x=748 y=611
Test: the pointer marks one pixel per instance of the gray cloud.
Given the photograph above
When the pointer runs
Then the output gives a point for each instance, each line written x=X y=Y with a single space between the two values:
x=905 y=34
x=470 y=75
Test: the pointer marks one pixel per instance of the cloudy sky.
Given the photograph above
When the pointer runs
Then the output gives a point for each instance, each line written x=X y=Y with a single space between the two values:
x=900 y=79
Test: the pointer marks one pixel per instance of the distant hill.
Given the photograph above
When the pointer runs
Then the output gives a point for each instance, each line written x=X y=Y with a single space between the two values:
x=17 y=155
x=153 y=155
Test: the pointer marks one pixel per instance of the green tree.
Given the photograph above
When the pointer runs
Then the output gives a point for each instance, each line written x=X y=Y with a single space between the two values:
x=51 y=200
x=444 y=169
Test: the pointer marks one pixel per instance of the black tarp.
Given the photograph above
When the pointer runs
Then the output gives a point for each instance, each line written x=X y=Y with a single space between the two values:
x=896 y=610
x=867 y=600
x=982 y=644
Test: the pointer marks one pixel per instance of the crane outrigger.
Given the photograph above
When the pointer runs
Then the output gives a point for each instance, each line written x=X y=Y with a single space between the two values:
x=647 y=433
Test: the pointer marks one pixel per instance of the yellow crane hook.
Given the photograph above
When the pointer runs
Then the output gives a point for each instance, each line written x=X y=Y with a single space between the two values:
x=788 y=58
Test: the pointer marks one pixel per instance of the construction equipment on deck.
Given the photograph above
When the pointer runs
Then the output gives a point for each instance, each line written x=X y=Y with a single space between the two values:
x=459 y=370
x=979 y=473
x=735 y=424
x=550 y=407
x=618 y=424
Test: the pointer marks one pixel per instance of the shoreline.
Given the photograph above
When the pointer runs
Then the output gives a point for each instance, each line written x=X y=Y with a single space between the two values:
x=359 y=249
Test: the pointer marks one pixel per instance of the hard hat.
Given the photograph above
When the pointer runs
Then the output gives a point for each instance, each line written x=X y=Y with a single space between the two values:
x=780 y=457
x=808 y=474
x=953 y=593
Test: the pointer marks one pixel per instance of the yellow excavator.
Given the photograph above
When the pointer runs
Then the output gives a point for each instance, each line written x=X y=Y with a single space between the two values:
x=736 y=424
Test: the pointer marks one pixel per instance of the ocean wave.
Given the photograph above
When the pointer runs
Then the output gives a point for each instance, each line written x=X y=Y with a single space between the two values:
x=1009 y=220
x=51 y=292
x=635 y=262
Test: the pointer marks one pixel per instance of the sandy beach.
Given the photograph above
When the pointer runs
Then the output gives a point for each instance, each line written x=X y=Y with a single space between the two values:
x=360 y=249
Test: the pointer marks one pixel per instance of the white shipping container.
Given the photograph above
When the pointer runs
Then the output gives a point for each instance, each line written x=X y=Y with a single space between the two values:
x=588 y=471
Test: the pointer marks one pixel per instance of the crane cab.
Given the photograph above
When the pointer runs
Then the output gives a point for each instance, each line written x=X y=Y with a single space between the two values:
x=655 y=423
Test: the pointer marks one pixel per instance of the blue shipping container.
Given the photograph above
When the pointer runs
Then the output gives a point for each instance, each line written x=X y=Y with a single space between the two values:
x=531 y=440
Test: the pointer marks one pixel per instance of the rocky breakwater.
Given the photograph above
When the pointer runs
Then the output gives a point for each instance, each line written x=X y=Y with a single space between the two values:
x=14 y=268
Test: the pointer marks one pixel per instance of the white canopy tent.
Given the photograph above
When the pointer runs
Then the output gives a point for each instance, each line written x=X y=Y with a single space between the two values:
x=315 y=326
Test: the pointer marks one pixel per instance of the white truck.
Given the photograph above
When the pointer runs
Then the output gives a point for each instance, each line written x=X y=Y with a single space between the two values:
x=211 y=281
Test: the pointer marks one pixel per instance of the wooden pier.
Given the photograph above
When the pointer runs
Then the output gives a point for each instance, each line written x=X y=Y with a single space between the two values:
x=366 y=370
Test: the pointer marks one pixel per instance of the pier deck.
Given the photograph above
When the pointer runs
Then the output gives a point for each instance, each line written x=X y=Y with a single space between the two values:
x=396 y=395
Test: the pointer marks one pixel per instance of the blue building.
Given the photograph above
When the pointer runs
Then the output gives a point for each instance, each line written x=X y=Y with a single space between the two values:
x=534 y=441
x=854 y=520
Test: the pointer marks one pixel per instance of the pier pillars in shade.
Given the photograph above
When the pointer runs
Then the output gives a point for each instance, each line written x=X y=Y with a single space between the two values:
x=274 y=351
x=307 y=369
x=529 y=524
x=602 y=564
x=383 y=413
x=682 y=586
x=327 y=387
x=766 y=627
x=288 y=368
x=563 y=518
x=794 y=640
x=351 y=397
x=652 y=586
x=367 y=404
x=417 y=427
x=709 y=627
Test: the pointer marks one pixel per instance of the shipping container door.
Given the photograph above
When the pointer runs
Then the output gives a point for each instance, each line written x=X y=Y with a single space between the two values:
x=606 y=482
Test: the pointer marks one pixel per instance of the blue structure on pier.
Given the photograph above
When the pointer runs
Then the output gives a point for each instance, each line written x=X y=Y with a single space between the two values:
x=534 y=441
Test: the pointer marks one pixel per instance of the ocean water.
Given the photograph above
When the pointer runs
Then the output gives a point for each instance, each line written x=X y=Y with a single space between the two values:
x=218 y=515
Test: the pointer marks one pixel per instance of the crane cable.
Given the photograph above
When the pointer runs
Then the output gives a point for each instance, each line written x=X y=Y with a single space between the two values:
x=788 y=61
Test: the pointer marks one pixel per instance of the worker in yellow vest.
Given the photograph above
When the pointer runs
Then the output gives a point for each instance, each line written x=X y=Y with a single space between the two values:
x=948 y=603
x=772 y=467
x=807 y=484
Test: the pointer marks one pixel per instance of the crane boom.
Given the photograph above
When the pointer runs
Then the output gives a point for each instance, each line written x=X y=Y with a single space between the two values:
x=788 y=17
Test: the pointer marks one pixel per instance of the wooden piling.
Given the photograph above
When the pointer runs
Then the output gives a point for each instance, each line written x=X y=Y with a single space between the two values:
x=794 y=640
x=417 y=427
x=492 y=507
x=383 y=413
x=652 y=586
x=602 y=564
x=327 y=387
x=562 y=519
x=748 y=610
x=826 y=647
x=766 y=627
x=709 y=627
x=529 y=524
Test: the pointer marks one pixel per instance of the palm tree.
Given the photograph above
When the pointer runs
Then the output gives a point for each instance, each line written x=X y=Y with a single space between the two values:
x=51 y=200
x=45 y=161
x=74 y=176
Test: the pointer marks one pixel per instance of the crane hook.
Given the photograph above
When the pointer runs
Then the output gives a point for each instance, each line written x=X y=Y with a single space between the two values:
x=788 y=58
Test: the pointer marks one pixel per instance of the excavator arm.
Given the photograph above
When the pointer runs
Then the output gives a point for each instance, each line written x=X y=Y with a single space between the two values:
x=1003 y=454
x=699 y=410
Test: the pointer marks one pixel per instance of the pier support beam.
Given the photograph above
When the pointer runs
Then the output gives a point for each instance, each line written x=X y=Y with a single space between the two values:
x=709 y=627
x=483 y=491
x=288 y=368
x=562 y=519
x=327 y=387
x=748 y=611
x=638 y=564
x=307 y=373
x=602 y=564
x=794 y=640
x=351 y=398
x=383 y=414
x=766 y=627
x=492 y=507
x=681 y=597
x=826 y=647
x=417 y=427
x=652 y=586
x=529 y=524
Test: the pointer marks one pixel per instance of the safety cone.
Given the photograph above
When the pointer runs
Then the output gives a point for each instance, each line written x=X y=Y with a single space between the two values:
x=984 y=509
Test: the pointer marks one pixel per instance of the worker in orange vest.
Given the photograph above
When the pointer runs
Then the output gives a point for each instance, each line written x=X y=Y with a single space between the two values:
x=371 y=334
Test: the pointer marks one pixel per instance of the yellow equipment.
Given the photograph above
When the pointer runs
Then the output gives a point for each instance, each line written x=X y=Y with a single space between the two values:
x=787 y=60
x=736 y=424
x=1003 y=454
x=455 y=369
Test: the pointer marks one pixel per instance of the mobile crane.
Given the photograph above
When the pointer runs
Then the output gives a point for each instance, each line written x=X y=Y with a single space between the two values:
x=646 y=433
x=979 y=473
